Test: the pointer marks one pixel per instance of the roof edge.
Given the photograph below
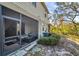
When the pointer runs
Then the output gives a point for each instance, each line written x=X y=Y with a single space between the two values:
x=45 y=7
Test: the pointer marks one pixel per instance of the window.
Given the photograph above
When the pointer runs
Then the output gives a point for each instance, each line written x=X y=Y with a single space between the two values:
x=43 y=29
x=45 y=14
x=34 y=3
x=46 y=30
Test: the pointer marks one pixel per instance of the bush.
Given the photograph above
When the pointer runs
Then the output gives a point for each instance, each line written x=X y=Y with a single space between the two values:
x=44 y=41
x=51 y=40
x=56 y=36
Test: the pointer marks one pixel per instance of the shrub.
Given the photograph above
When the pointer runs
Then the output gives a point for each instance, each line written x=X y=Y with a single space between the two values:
x=51 y=40
x=44 y=41
x=56 y=36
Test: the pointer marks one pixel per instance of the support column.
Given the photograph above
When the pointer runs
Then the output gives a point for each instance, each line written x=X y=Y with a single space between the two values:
x=2 y=33
x=20 y=28
x=39 y=29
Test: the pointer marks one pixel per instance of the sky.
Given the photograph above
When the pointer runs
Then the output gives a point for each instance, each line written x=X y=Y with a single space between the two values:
x=52 y=6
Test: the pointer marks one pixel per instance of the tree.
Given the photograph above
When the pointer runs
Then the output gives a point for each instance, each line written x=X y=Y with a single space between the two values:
x=69 y=11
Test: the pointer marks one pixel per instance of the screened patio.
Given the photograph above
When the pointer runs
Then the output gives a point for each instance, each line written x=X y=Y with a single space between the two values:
x=17 y=31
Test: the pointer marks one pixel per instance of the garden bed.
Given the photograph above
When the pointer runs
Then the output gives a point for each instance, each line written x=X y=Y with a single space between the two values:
x=63 y=48
x=41 y=50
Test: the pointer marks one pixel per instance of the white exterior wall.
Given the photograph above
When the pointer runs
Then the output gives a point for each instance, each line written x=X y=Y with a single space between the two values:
x=28 y=9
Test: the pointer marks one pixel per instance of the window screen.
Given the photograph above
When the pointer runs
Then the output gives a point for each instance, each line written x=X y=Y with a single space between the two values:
x=23 y=28
x=10 y=27
x=10 y=13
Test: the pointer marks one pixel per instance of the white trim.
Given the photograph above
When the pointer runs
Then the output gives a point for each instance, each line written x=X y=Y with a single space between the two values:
x=7 y=17
x=11 y=37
